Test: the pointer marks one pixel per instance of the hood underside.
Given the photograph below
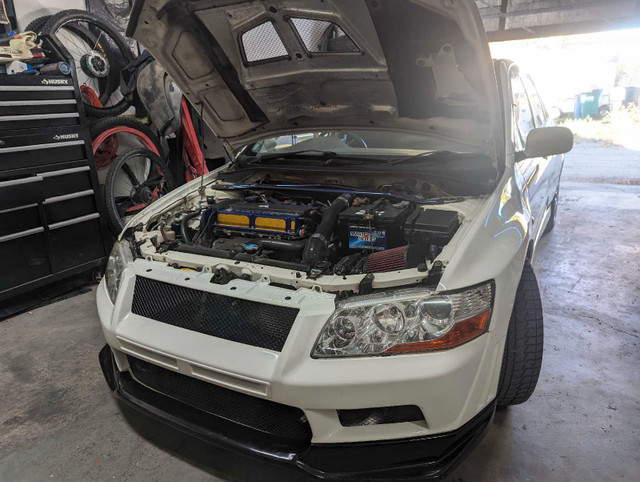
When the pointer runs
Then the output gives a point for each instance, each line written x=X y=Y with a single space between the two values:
x=258 y=68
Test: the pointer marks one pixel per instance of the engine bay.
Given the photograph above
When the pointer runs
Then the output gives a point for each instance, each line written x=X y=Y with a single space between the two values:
x=312 y=230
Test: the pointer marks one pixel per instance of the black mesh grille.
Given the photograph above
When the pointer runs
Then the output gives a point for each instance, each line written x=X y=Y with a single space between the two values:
x=379 y=415
x=235 y=319
x=256 y=413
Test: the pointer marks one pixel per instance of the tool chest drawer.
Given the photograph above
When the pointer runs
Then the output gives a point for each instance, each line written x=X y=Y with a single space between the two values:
x=24 y=258
x=17 y=220
x=26 y=148
x=69 y=206
x=64 y=181
x=69 y=241
x=46 y=88
x=24 y=121
x=20 y=192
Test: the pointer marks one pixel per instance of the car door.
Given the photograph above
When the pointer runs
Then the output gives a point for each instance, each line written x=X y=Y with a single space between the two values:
x=523 y=120
x=550 y=167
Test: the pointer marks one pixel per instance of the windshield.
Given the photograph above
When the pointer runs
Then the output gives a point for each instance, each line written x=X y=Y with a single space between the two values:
x=385 y=144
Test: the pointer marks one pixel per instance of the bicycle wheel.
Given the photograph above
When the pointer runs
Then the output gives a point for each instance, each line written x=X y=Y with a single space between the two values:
x=134 y=181
x=98 y=59
x=115 y=136
x=36 y=24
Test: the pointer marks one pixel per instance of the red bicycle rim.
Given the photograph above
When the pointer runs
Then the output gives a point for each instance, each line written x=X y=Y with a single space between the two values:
x=148 y=143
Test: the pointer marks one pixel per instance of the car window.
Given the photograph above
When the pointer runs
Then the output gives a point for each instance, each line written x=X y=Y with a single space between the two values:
x=522 y=115
x=537 y=107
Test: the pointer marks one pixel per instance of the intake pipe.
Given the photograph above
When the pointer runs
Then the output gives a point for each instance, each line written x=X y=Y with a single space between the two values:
x=317 y=248
x=285 y=245
x=184 y=225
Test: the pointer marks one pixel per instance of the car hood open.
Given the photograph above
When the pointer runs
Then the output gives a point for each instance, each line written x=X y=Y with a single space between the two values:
x=262 y=68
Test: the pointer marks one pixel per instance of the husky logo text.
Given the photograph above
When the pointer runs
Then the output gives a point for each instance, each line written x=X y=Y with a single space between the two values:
x=54 y=81
x=60 y=137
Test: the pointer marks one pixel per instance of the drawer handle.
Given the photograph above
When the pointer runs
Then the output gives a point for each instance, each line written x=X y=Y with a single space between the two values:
x=64 y=172
x=73 y=221
x=66 y=197
x=19 y=182
x=10 y=210
x=22 y=103
x=21 y=234
x=11 y=118
x=40 y=146
x=27 y=88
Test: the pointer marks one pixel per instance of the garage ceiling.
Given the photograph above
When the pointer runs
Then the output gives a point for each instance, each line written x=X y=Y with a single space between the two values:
x=521 y=19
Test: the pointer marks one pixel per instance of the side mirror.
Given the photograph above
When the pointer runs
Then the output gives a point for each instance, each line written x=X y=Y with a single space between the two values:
x=547 y=141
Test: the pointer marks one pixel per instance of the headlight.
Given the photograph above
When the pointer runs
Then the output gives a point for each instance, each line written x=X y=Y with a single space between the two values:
x=121 y=256
x=407 y=321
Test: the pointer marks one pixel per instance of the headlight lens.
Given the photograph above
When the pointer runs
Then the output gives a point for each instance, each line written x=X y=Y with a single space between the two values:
x=121 y=256
x=407 y=321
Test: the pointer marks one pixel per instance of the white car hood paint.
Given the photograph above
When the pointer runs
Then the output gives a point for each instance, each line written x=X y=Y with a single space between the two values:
x=423 y=66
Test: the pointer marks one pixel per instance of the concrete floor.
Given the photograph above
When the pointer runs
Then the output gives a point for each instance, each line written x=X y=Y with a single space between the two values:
x=59 y=422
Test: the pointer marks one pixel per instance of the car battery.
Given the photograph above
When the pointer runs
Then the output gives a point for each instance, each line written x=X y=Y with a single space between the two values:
x=374 y=227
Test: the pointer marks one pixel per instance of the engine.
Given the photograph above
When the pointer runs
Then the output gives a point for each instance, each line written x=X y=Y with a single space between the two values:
x=289 y=221
x=342 y=235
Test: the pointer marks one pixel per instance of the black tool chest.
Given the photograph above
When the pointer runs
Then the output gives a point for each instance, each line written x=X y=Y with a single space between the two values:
x=52 y=222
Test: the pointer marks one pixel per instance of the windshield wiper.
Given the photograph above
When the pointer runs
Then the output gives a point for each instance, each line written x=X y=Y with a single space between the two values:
x=434 y=157
x=320 y=155
x=314 y=154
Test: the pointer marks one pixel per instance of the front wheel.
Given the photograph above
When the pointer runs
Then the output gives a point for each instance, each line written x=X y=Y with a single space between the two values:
x=522 y=357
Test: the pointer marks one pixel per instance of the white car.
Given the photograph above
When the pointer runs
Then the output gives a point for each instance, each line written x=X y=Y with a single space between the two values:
x=357 y=303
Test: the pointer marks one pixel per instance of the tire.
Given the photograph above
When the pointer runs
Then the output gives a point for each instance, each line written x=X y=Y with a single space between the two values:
x=36 y=24
x=103 y=128
x=108 y=84
x=603 y=112
x=522 y=357
x=552 y=217
x=116 y=222
x=123 y=56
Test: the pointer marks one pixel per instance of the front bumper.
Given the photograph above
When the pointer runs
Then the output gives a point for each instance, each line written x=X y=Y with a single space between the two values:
x=421 y=457
x=450 y=387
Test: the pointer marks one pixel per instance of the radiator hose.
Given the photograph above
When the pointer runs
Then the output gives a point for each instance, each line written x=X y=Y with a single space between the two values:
x=184 y=226
x=212 y=211
x=317 y=248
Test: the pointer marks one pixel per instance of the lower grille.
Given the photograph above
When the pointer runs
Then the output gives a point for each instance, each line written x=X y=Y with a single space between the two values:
x=235 y=319
x=266 y=416
x=381 y=415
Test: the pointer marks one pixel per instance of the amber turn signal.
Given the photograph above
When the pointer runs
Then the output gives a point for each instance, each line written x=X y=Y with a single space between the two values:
x=461 y=332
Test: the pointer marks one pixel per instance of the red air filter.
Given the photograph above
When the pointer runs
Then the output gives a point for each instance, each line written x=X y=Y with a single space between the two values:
x=388 y=260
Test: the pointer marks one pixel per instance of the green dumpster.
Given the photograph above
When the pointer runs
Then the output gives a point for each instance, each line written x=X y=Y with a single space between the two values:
x=588 y=103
